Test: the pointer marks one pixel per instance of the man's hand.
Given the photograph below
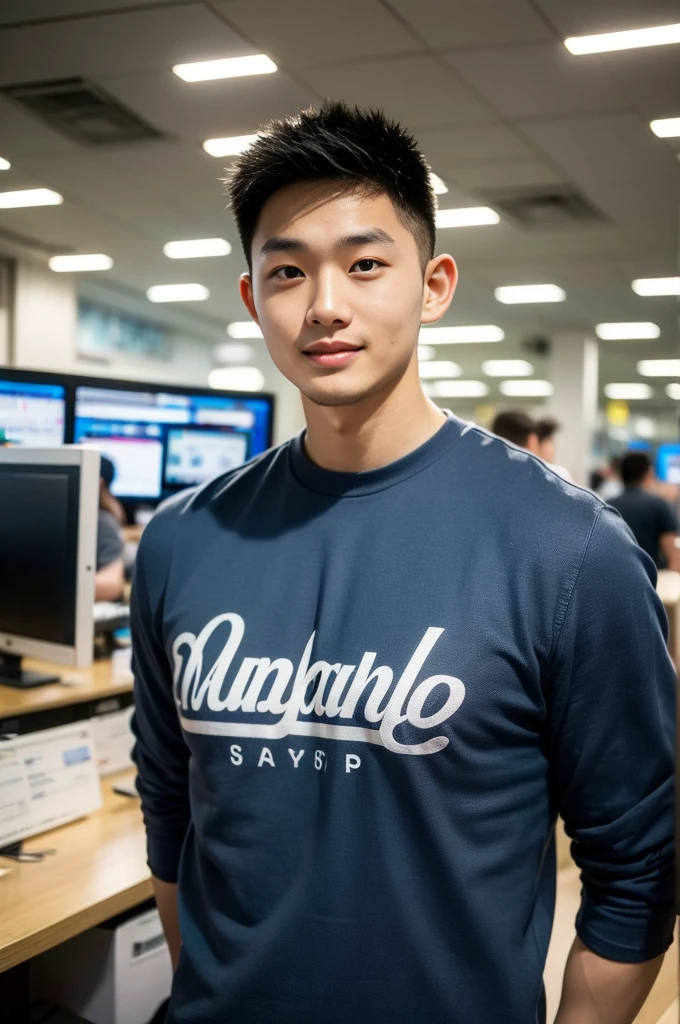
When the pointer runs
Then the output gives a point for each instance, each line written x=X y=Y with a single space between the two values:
x=598 y=991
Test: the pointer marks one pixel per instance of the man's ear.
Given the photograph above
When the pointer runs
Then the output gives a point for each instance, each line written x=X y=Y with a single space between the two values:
x=245 y=286
x=441 y=278
x=533 y=444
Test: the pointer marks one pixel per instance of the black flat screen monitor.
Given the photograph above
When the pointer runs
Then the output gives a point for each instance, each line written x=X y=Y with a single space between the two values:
x=32 y=414
x=163 y=441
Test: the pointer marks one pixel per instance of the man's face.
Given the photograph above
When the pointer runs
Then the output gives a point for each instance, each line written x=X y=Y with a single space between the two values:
x=337 y=288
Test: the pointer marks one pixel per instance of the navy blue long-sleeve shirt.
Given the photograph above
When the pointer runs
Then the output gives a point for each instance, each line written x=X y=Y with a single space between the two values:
x=361 y=701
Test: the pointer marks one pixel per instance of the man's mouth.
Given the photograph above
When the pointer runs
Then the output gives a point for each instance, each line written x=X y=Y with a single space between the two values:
x=332 y=353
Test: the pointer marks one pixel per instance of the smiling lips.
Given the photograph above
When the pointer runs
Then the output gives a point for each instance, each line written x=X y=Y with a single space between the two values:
x=332 y=353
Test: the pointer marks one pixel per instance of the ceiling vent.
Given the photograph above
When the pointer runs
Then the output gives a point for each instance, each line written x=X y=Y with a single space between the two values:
x=546 y=206
x=82 y=111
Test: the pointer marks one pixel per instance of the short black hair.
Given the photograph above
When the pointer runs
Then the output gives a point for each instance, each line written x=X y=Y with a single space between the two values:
x=546 y=428
x=343 y=146
x=515 y=426
x=634 y=468
x=107 y=470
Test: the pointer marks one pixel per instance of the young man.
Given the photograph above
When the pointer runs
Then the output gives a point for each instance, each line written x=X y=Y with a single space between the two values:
x=649 y=516
x=365 y=686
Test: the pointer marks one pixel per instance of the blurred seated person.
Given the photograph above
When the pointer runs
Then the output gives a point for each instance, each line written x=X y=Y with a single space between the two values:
x=109 y=580
x=650 y=518
x=546 y=430
x=517 y=427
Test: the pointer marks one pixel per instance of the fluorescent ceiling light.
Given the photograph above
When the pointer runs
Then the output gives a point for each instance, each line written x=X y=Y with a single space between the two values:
x=526 y=388
x=197 y=247
x=657 y=286
x=628 y=392
x=627 y=332
x=232 y=145
x=516 y=294
x=460 y=335
x=606 y=42
x=439 y=368
x=177 y=293
x=231 y=67
x=457 y=389
x=233 y=353
x=4 y=164
x=659 y=367
x=666 y=127
x=78 y=262
x=236 y=378
x=507 y=368
x=426 y=352
x=30 y=197
x=438 y=186
x=673 y=391
x=244 y=329
x=466 y=217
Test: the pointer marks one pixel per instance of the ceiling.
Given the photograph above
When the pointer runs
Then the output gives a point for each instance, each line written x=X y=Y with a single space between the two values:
x=491 y=93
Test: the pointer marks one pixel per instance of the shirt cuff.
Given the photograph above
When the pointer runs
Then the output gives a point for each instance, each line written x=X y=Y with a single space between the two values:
x=625 y=942
x=163 y=855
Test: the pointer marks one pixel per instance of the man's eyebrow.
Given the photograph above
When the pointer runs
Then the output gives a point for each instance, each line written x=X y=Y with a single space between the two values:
x=278 y=244
x=369 y=237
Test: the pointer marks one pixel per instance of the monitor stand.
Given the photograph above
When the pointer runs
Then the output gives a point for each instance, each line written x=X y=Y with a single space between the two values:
x=12 y=674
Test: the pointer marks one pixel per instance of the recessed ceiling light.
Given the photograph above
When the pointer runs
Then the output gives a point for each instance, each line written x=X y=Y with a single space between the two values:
x=657 y=286
x=526 y=388
x=232 y=145
x=659 y=367
x=666 y=127
x=439 y=368
x=4 y=164
x=177 y=293
x=466 y=217
x=196 y=247
x=460 y=335
x=673 y=391
x=628 y=392
x=438 y=186
x=236 y=378
x=516 y=294
x=233 y=353
x=426 y=352
x=606 y=42
x=457 y=389
x=627 y=332
x=243 y=329
x=231 y=67
x=30 y=197
x=507 y=368
x=79 y=262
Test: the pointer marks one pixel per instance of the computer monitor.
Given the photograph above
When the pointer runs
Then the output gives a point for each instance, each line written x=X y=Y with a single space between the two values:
x=668 y=463
x=32 y=413
x=49 y=500
x=163 y=440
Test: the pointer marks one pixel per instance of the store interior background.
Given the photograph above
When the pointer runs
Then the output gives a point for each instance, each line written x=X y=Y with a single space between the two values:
x=502 y=111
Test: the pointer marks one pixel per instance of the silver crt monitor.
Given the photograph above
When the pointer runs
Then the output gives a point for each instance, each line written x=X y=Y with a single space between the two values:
x=49 y=500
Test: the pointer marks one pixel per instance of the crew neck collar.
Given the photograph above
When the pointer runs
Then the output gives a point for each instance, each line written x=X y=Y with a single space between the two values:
x=354 y=485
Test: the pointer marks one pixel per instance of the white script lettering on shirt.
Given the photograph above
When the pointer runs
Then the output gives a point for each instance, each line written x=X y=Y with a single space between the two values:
x=335 y=694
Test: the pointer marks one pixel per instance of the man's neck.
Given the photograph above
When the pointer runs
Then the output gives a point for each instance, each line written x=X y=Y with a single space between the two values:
x=372 y=433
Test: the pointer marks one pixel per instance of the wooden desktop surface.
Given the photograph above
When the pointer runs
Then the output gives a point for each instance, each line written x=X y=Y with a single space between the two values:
x=99 y=870
x=97 y=681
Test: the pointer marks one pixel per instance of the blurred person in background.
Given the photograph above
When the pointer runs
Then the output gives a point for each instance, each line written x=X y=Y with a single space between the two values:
x=373 y=664
x=649 y=516
x=517 y=427
x=546 y=430
x=611 y=485
x=109 y=580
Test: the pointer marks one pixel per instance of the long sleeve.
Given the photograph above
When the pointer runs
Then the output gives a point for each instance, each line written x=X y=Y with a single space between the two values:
x=160 y=752
x=611 y=700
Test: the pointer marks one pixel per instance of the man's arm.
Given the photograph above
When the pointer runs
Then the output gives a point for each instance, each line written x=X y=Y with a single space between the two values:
x=610 y=698
x=109 y=582
x=166 y=901
x=599 y=991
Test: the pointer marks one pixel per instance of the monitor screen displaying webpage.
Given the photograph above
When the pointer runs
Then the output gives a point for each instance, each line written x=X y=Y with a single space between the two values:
x=160 y=442
x=32 y=415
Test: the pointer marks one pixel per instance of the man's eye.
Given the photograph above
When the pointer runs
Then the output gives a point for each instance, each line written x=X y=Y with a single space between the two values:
x=287 y=273
x=365 y=266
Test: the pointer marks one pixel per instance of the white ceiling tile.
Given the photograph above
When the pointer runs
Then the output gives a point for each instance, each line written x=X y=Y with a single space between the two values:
x=652 y=86
x=203 y=110
x=505 y=175
x=138 y=40
x=415 y=90
x=587 y=17
x=302 y=32
x=537 y=80
x=459 y=23
x=17 y=11
x=23 y=59
x=24 y=135
x=454 y=147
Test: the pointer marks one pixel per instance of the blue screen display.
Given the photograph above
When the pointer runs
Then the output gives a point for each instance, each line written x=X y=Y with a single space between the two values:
x=668 y=463
x=32 y=414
